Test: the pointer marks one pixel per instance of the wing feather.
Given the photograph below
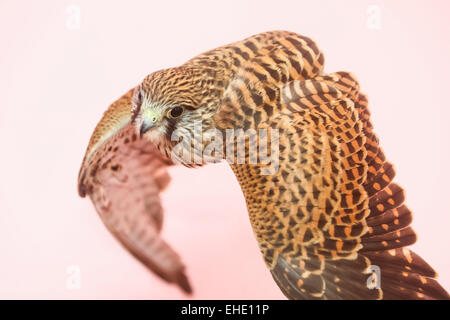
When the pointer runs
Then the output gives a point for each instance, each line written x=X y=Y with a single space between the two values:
x=124 y=175
x=331 y=215
x=365 y=224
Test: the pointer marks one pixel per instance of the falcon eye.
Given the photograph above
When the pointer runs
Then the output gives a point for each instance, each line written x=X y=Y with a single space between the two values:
x=176 y=112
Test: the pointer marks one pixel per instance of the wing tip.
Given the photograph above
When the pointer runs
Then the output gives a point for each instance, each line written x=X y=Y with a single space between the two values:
x=183 y=282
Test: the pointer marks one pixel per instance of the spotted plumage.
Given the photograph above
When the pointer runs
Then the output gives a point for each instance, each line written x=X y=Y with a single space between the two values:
x=330 y=214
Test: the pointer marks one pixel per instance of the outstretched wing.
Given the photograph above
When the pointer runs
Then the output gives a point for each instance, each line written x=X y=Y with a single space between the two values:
x=330 y=222
x=123 y=175
x=338 y=226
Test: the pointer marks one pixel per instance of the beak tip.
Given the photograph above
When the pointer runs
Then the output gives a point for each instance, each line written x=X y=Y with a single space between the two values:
x=144 y=128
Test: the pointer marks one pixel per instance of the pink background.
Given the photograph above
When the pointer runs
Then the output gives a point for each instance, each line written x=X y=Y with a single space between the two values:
x=56 y=82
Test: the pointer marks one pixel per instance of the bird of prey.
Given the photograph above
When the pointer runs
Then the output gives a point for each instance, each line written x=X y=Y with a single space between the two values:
x=329 y=220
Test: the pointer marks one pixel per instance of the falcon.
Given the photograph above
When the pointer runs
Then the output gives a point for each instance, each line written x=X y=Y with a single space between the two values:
x=330 y=221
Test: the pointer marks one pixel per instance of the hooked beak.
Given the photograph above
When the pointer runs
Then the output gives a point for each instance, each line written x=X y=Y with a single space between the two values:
x=145 y=127
x=150 y=120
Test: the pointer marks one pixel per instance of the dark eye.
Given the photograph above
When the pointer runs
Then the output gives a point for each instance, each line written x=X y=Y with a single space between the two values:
x=176 y=112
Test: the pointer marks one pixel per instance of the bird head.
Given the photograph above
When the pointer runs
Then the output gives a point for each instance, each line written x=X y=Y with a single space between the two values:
x=174 y=101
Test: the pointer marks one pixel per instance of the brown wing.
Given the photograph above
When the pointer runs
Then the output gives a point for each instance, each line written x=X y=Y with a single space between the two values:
x=123 y=175
x=331 y=216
